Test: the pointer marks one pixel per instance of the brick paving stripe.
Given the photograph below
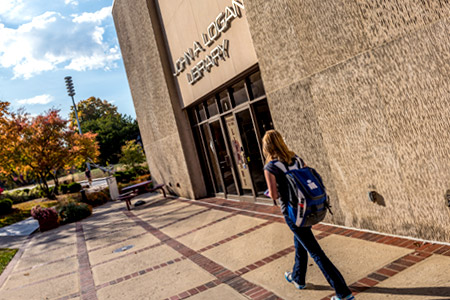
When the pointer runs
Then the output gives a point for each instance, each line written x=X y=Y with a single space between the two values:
x=223 y=274
x=87 y=285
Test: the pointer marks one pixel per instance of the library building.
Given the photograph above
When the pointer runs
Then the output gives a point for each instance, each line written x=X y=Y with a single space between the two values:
x=358 y=89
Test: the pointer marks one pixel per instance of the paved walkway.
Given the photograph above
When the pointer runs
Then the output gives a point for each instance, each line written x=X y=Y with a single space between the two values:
x=212 y=249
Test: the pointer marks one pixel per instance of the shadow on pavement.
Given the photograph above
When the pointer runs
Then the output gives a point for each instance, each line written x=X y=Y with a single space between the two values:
x=416 y=291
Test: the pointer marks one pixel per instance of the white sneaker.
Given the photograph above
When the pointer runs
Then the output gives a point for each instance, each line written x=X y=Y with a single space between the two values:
x=288 y=276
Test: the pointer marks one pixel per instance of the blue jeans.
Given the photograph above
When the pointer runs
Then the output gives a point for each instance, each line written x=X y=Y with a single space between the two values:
x=305 y=243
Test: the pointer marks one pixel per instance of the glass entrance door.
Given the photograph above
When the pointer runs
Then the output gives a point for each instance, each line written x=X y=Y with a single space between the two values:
x=239 y=154
x=223 y=158
x=251 y=151
x=231 y=124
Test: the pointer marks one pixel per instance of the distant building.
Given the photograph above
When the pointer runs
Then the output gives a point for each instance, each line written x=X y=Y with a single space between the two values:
x=359 y=89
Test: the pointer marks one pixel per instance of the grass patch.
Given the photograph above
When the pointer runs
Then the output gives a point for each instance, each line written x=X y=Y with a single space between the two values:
x=22 y=211
x=5 y=257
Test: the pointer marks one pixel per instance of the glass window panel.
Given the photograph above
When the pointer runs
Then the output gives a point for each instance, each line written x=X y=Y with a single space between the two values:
x=253 y=163
x=256 y=85
x=193 y=116
x=224 y=101
x=212 y=107
x=201 y=113
x=263 y=117
x=224 y=160
x=213 y=163
x=239 y=93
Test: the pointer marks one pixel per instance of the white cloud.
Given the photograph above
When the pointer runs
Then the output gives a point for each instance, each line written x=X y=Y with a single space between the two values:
x=41 y=99
x=71 y=2
x=103 y=60
x=12 y=9
x=96 y=17
x=51 y=41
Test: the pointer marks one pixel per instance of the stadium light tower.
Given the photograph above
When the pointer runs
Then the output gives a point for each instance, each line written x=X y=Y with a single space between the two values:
x=71 y=93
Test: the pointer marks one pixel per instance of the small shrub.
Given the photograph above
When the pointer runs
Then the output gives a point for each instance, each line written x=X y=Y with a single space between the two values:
x=141 y=178
x=74 y=187
x=5 y=206
x=48 y=217
x=124 y=176
x=141 y=170
x=42 y=213
x=96 y=198
x=74 y=211
x=17 y=196
x=35 y=193
x=64 y=188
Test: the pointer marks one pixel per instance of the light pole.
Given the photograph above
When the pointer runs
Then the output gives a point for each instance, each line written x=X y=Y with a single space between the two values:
x=71 y=93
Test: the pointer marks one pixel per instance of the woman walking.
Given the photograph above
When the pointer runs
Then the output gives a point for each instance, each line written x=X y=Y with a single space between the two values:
x=275 y=150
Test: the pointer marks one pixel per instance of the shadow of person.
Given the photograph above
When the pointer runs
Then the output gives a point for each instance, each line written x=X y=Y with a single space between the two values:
x=443 y=291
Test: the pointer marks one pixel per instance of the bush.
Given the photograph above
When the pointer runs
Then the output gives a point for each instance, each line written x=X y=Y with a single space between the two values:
x=48 y=217
x=42 y=213
x=35 y=193
x=141 y=170
x=74 y=187
x=124 y=176
x=64 y=188
x=96 y=198
x=17 y=196
x=73 y=212
x=5 y=206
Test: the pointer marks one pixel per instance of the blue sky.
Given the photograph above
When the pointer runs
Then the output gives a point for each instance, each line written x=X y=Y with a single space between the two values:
x=43 y=41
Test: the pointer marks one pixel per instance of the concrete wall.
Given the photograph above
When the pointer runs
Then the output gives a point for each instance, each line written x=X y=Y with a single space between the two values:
x=165 y=130
x=360 y=89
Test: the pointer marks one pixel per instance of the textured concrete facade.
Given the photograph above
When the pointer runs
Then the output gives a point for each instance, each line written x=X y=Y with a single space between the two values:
x=164 y=127
x=360 y=89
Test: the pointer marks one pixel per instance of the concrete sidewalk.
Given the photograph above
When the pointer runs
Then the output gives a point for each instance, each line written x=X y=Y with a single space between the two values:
x=212 y=249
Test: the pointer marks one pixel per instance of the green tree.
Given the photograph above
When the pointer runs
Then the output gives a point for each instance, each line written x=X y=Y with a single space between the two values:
x=132 y=154
x=112 y=128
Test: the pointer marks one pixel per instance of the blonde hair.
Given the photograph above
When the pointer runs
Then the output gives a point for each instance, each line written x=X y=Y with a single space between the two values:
x=275 y=148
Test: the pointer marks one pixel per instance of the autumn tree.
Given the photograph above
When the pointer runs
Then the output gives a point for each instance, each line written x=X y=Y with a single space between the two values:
x=112 y=128
x=45 y=144
x=10 y=127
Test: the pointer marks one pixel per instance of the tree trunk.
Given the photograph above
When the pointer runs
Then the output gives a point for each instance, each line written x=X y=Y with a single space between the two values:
x=44 y=185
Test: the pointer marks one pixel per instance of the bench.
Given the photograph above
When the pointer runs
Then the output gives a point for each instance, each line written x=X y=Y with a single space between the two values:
x=131 y=194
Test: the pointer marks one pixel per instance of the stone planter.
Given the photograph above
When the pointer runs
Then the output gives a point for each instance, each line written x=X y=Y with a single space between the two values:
x=47 y=224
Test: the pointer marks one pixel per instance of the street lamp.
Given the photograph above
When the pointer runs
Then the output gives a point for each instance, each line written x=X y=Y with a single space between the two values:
x=71 y=93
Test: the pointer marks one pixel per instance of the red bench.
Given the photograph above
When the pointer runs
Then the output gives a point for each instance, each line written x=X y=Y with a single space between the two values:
x=136 y=189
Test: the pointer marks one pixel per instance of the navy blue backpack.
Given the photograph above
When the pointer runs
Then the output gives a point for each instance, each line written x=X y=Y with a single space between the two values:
x=308 y=201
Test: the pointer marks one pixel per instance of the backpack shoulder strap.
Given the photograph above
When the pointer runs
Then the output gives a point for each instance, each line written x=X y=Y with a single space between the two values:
x=301 y=163
x=280 y=166
x=285 y=167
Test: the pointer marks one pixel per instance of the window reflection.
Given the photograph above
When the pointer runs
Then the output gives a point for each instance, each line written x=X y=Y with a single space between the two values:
x=256 y=85
x=239 y=93
x=212 y=107
x=224 y=101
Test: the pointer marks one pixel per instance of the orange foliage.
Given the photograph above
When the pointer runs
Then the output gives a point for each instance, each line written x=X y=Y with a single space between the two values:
x=41 y=145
